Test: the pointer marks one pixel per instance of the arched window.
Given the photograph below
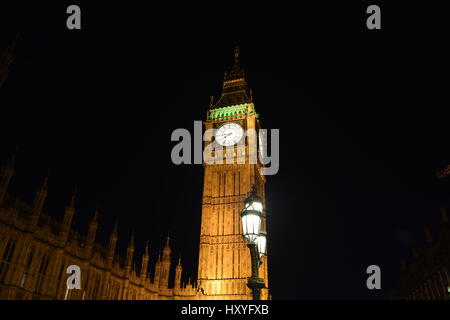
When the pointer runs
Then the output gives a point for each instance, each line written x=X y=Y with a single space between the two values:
x=41 y=273
x=27 y=267
x=7 y=256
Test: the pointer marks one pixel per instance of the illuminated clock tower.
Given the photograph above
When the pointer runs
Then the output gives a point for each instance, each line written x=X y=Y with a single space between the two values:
x=224 y=259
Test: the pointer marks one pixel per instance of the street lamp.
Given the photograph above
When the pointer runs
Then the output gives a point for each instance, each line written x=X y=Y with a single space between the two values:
x=251 y=217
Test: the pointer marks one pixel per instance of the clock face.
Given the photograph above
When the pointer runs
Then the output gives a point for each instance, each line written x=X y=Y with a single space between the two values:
x=229 y=134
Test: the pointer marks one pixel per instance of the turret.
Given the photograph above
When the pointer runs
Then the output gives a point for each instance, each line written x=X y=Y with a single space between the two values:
x=130 y=252
x=144 y=264
x=189 y=284
x=157 y=275
x=112 y=244
x=39 y=201
x=5 y=177
x=92 y=230
x=67 y=219
x=178 y=272
x=165 y=264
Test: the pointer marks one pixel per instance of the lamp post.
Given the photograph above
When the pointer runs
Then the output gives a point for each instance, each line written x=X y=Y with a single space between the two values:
x=251 y=217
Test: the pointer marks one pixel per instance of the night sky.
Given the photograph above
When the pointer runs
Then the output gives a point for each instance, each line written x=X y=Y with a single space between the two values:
x=361 y=116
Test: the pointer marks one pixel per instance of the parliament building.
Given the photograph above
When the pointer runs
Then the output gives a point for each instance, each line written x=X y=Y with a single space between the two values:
x=427 y=275
x=36 y=249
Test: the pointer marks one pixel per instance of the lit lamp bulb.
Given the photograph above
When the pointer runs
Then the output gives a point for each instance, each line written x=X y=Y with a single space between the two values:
x=261 y=243
x=251 y=218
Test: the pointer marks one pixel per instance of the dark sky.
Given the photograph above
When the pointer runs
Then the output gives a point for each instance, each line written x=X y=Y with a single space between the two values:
x=360 y=113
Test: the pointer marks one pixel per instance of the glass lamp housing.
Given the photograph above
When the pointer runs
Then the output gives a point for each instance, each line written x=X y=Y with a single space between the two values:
x=261 y=243
x=251 y=224
x=251 y=217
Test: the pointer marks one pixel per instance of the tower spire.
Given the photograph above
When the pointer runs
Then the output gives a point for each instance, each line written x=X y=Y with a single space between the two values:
x=67 y=219
x=146 y=248
x=178 y=271
x=168 y=239
x=235 y=72
x=165 y=263
x=93 y=225
x=95 y=217
x=131 y=244
x=235 y=90
x=39 y=201
x=112 y=243
x=130 y=252
x=72 y=200
x=144 y=263
x=70 y=209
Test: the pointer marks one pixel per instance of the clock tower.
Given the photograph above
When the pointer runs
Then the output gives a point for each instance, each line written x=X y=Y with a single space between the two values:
x=224 y=259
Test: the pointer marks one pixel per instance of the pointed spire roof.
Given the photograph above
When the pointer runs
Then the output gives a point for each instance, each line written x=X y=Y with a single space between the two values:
x=115 y=226
x=159 y=257
x=235 y=90
x=72 y=200
x=236 y=71
x=95 y=217
x=131 y=244
x=179 y=260
x=167 y=244
x=146 y=249
x=166 y=250
x=167 y=240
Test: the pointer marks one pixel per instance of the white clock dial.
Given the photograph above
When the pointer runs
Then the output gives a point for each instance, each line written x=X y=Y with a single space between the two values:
x=229 y=134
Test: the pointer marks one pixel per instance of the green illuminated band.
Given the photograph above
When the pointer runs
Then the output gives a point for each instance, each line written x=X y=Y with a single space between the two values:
x=229 y=112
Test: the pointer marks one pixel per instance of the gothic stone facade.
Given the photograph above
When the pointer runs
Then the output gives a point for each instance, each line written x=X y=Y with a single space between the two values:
x=427 y=276
x=35 y=251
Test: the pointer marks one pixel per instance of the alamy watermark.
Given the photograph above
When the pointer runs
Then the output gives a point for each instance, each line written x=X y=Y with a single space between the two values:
x=229 y=144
